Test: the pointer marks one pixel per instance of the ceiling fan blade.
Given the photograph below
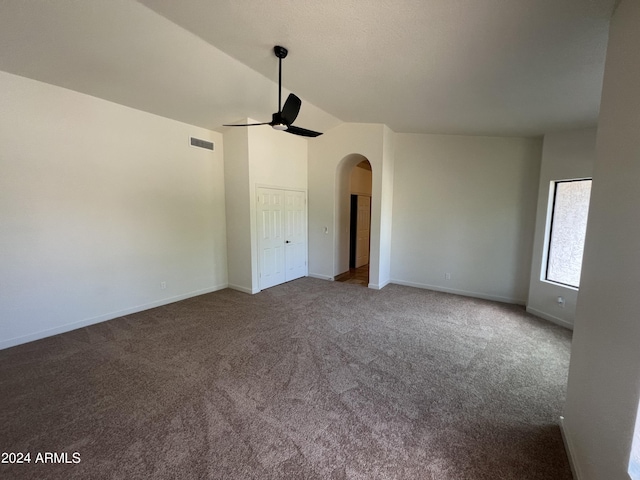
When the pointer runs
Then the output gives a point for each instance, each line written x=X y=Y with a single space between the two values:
x=291 y=109
x=286 y=115
x=246 y=124
x=302 y=131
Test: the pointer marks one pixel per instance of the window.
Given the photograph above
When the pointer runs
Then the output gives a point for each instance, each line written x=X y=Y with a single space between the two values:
x=569 y=210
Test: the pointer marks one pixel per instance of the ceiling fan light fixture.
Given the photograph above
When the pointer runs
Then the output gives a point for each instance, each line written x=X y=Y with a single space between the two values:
x=280 y=126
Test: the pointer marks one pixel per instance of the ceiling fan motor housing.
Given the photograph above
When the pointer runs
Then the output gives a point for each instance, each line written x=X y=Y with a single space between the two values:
x=280 y=52
x=277 y=122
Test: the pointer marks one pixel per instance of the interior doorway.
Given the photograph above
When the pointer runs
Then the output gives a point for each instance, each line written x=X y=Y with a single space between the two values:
x=360 y=189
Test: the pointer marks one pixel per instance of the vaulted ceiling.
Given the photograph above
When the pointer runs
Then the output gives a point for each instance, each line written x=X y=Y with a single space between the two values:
x=487 y=67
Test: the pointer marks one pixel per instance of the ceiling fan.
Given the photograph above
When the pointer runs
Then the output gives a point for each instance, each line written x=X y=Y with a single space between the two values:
x=285 y=116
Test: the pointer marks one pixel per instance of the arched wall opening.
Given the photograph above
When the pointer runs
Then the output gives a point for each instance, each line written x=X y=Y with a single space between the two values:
x=342 y=217
x=331 y=158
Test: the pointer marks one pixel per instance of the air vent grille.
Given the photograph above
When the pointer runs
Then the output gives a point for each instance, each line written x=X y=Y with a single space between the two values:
x=196 y=142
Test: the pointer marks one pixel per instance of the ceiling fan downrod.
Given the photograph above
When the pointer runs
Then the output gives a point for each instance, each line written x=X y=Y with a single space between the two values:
x=281 y=53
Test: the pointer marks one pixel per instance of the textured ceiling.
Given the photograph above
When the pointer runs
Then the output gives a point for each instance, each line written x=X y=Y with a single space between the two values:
x=121 y=51
x=491 y=67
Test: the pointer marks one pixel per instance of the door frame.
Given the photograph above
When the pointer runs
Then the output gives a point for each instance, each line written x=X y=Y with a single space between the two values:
x=353 y=227
x=356 y=250
x=258 y=225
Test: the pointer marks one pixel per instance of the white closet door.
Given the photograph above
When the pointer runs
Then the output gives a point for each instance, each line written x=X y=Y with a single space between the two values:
x=282 y=236
x=270 y=216
x=295 y=235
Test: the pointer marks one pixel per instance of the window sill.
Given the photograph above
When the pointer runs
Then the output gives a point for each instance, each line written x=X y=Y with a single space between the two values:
x=561 y=285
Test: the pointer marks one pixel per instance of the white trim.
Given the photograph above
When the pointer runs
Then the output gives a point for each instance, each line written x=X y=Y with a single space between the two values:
x=575 y=471
x=375 y=286
x=551 y=318
x=465 y=293
x=243 y=289
x=321 y=277
x=280 y=187
x=561 y=285
x=12 y=342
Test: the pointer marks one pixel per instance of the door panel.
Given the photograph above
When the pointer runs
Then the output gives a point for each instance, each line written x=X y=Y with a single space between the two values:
x=282 y=238
x=296 y=235
x=270 y=238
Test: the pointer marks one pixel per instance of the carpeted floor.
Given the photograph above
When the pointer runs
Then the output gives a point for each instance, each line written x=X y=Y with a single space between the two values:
x=307 y=380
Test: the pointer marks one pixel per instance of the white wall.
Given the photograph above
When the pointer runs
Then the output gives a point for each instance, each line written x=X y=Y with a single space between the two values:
x=238 y=201
x=99 y=204
x=386 y=189
x=604 y=376
x=331 y=158
x=277 y=160
x=565 y=155
x=465 y=206
x=256 y=157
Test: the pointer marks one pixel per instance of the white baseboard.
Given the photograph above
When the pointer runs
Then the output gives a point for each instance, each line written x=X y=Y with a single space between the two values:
x=12 y=342
x=376 y=286
x=465 y=293
x=243 y=289
x=575 y=471
x=551 y=318
x=321 y=277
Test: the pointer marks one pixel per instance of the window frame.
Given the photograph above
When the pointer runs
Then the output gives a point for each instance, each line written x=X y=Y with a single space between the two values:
x=550 y=219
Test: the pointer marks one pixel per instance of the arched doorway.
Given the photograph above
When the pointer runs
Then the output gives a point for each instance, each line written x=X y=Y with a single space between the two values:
x=353 y=217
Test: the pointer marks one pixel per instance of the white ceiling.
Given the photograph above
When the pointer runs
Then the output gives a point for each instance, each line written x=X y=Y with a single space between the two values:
x=489 y=67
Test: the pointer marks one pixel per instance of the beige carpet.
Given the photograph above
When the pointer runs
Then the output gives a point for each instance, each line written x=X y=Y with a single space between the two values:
x=307 y=380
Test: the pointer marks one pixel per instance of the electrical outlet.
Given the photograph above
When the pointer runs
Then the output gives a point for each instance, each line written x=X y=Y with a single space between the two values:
x=163 y=285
